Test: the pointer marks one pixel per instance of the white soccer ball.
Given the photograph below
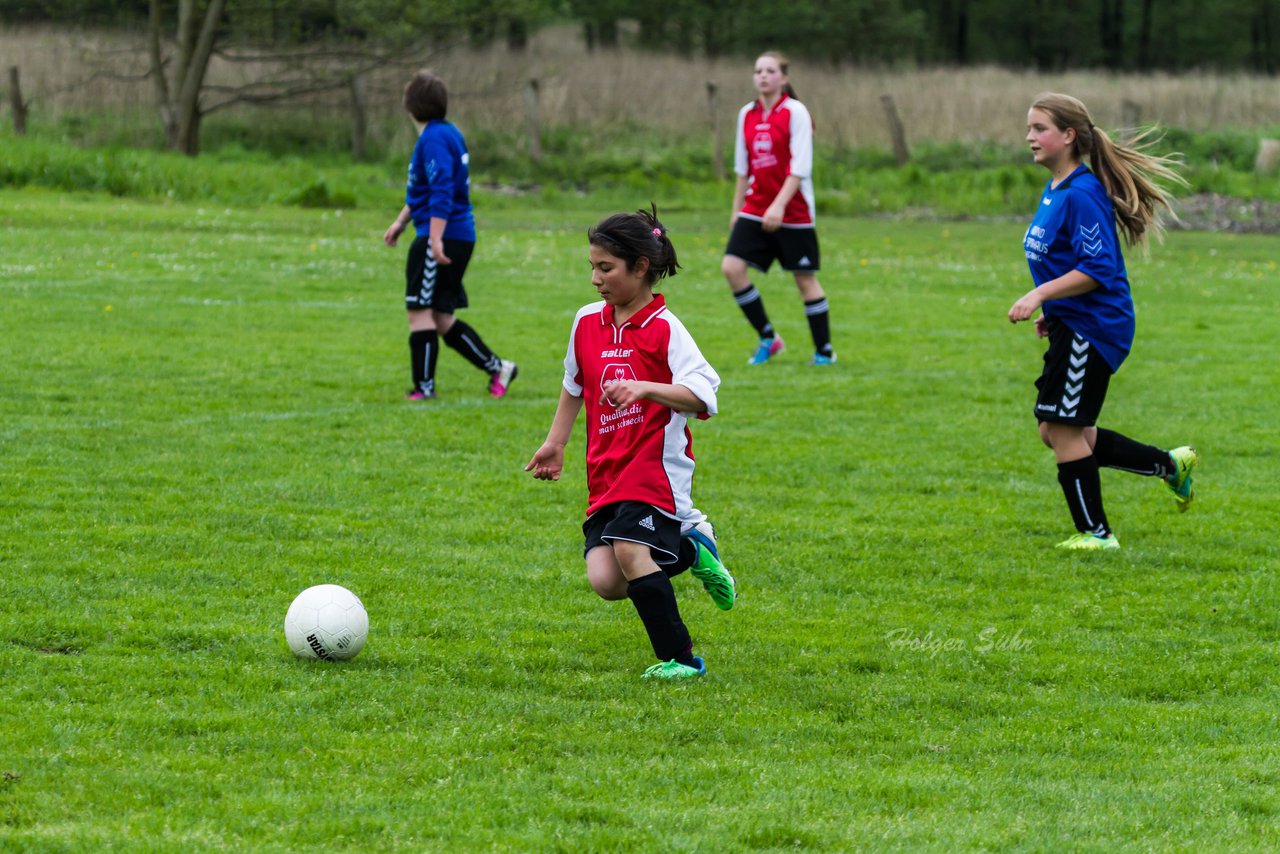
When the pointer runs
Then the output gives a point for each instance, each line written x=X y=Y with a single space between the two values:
x=326 y=621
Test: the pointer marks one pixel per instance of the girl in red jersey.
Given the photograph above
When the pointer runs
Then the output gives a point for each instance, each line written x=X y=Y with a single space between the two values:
x=773 y=212
x=641 y=377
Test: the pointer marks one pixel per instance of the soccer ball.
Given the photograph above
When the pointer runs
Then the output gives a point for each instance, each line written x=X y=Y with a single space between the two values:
x=326 y=621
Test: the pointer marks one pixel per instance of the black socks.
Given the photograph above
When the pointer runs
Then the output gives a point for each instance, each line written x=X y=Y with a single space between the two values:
x=819 y=315
x=752 y=305
x=468 y=342
x=1120 y=452
x=1082 y=488
x=655 y=602
x=424 y=347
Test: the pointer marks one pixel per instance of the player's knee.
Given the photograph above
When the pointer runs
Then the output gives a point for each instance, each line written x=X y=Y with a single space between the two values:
x=606 y=579
x=734 y=269
x=611 y=589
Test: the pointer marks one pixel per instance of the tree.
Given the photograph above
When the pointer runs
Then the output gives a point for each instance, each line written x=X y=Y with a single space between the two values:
x=179 y=100
x=307 y=47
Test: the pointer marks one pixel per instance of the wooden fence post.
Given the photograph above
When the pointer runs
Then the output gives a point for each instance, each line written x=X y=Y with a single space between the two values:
x=899 y=136
x=359 y=112
x=15 y=101
x=1130 y=118
x=1268 y=160
x=533 y=111
x=717 y=130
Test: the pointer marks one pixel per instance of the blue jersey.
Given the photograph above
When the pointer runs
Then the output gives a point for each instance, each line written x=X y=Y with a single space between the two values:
x=440 y=182
x=1075 y=229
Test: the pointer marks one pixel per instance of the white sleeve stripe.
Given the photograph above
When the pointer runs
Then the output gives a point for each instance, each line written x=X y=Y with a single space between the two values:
x=801 y=140
x=688 y=366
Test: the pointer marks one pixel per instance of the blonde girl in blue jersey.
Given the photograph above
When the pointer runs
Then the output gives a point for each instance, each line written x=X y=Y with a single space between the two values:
x=1082 y=291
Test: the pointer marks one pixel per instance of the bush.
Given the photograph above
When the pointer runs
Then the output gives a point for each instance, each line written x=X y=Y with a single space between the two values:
x=629 y=164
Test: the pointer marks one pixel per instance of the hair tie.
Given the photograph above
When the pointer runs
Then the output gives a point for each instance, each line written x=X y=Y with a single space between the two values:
x=657 y=232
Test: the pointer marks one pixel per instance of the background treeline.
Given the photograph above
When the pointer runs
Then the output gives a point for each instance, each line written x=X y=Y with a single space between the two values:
x=1135 y=35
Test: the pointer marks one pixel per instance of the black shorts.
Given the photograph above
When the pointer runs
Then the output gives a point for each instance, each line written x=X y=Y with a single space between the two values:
x=795 y=249
x=437 y=286
x=636 y=522
x=1074 y=382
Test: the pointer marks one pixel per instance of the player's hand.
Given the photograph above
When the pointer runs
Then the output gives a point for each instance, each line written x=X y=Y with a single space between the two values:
x=547 y=462
x=772 y=220
x=733 y=220
x=623 y=393
x=1042 y=327
x=437 y=252
x=393 y=233
x=1028 y=305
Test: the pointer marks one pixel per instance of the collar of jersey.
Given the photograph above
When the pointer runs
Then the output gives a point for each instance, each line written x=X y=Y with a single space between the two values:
x=1066 y=182
x=641 y=317
x=782 y=99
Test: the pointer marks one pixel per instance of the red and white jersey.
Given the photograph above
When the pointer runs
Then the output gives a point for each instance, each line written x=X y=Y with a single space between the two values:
x=644 y=452
x=769 y=146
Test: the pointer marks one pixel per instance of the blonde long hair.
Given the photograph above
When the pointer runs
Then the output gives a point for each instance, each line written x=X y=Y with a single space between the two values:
x=1131 y=177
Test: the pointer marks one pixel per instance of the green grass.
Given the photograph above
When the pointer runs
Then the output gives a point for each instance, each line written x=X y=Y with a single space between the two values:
x=200 y=415
x=943 y=180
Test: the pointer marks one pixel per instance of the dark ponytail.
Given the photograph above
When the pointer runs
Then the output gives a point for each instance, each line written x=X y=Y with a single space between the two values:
x=635 y=236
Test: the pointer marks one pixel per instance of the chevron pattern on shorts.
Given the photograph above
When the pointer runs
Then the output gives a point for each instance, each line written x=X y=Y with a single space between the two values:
x=1074 y=387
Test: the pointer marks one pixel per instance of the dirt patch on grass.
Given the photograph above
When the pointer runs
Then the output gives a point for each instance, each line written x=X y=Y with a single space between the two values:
x=1212 y=212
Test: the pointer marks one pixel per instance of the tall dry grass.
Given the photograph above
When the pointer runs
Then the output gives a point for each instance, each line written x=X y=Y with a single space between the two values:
x=668 y=93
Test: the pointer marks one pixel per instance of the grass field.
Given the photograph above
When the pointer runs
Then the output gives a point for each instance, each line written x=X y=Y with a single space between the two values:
x=200 y=415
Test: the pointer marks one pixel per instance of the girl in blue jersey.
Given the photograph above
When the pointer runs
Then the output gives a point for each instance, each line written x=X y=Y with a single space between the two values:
x=1082 y=291
x=438 y=201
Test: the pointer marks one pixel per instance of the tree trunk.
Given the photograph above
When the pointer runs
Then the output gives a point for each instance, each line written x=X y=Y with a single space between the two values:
x=901 y=154
x=15 y=101
x=1144 y=37
x=189 y=134
x=961 y=43
x=196 y=64
x=517 y=34
x=158 y=78
x=717 y=131
x=1111 y=22
x=533 y=116
x=359 y=110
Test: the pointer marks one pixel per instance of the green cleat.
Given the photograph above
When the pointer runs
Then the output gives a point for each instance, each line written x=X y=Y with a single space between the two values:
x=675 y=670
x=1088 y=542
x=1184 y=460
x=709 y=570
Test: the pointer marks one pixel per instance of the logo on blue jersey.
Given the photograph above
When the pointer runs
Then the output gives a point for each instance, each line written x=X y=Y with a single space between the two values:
x=1092 y=239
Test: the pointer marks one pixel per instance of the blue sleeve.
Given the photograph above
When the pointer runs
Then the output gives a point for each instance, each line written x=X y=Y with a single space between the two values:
x=1093 y=238
x=430 y=190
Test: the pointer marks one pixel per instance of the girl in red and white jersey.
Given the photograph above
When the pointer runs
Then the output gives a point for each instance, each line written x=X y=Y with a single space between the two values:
x=773 y=210
x=641 y=377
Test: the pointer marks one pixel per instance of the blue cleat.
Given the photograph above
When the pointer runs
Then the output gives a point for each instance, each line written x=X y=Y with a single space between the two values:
x=769 y=347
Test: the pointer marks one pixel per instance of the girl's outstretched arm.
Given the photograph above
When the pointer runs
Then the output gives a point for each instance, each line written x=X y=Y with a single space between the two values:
x=548 y=461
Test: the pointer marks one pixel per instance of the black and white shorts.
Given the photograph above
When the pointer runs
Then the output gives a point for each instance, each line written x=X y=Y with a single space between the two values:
x=795 y=249
x=436 y=286
x=1074 y=382
x=637 y=522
